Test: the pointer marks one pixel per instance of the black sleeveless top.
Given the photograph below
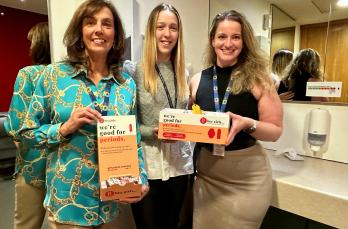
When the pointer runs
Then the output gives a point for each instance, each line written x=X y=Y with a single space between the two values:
x=299 y=89
x=282 y=88
x=243 y=104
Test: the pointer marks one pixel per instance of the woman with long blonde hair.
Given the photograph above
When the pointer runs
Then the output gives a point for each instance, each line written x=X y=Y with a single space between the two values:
x=161 y=83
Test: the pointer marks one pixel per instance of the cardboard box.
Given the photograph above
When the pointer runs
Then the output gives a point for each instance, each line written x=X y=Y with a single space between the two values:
x=118 y=158
x=182 y=125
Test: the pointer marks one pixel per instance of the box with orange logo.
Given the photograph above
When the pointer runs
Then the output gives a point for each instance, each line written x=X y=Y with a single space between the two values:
x=183 y=125
x=118 y=158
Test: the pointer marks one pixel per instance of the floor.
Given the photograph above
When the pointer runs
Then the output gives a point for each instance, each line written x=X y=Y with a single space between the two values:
x=124 y=221
x=7 y=195
x=7 y=204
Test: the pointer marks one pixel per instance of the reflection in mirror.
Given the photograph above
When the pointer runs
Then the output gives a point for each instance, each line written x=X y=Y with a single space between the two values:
x=336 y=50
x=16 y=19
x=321 y=25
x=283 y=30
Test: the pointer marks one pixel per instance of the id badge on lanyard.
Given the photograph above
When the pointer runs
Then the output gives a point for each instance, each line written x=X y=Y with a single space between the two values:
x=219 y=149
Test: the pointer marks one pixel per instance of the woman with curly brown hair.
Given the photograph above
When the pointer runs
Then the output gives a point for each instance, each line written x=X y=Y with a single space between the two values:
x=70 y=97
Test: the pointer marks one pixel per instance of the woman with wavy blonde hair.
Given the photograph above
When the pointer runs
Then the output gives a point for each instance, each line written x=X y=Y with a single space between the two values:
x=233 y=185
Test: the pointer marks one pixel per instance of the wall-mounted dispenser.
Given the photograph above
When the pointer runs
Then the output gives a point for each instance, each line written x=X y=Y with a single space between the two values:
x=318 y=129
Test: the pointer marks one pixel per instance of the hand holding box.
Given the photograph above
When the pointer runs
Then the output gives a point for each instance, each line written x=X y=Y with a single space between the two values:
x=183 y=125
x=118 y=158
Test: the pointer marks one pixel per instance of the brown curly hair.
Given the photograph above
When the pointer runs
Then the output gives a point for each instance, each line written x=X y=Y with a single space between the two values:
x=73 y=36
x=38 y=35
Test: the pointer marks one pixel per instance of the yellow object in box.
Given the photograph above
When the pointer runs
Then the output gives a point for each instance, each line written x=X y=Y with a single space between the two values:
x=118 y=158
x=183 y=125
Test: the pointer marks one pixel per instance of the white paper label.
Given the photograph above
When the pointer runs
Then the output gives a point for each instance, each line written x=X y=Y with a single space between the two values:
x=324 y=89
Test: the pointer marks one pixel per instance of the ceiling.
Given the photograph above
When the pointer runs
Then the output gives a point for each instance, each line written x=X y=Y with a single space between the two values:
x=311 y=11
x=37 y=6
x=303 y=11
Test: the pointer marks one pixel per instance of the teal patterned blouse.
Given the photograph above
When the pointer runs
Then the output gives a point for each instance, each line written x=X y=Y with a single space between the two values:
x=30 y=162
x=72 y=179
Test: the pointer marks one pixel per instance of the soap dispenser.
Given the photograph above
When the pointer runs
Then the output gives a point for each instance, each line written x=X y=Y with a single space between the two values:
x=318 y=129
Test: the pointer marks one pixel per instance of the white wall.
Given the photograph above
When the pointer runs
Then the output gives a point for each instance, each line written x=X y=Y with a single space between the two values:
x=129 y=13
x=295 y=129
x=134 y=14
x=59 y=15
x=194 y=15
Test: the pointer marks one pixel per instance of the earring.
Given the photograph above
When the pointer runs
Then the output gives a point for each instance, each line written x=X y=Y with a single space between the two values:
x=82 y=45
x=113 y=45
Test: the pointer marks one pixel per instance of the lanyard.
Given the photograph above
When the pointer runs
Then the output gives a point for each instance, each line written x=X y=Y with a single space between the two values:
x=103 y=109
x=216 y=94
x=166 y=88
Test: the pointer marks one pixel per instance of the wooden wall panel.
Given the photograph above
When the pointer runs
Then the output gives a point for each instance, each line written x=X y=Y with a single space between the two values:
x=335 y=62
x=337 y=56
x=314 y=36
x=282 y=38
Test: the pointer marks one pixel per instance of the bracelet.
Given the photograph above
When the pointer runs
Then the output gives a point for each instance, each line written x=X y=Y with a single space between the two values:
x=252 y=128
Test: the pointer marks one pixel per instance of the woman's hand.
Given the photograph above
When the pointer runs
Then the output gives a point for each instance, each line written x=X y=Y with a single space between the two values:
x=155 y=134
x=287 y=95
x=16 y=144
x=144 y=190
x=79 y=117
x=238 y=123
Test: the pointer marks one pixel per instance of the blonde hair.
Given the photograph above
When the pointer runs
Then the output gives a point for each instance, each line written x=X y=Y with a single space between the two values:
x=150 y=54
x=252 y=65
x=281 y=59
x=305 y=65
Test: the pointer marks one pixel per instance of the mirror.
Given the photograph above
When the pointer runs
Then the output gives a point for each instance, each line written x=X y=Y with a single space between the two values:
x=283 y=30
x=17 y=17
x=298 y=24
x=317 y=24
x=336 y=68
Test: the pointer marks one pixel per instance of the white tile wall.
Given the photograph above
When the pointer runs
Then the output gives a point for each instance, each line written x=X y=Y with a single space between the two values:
x=295 y=131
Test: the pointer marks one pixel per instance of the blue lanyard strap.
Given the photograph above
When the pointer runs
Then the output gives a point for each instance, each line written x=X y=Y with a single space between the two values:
x=216 y=94
x=103 y=109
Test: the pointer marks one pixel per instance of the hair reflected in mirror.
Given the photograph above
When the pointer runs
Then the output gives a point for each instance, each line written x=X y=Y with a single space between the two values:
x=38 y=35
x=306 y=67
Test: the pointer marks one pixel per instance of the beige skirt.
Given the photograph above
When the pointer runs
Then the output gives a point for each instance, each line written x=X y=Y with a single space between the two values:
x=233 y=191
